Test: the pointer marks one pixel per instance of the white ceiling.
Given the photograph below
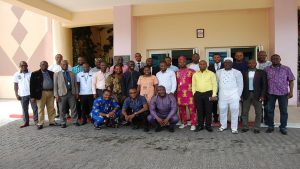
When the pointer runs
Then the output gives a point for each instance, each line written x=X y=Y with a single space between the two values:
x=88 y=5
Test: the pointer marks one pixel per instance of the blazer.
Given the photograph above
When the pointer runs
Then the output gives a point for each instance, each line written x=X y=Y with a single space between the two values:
x=259 y=84
x=211 y=67
x=60 y=88
x=142 y=64
x=36 y=83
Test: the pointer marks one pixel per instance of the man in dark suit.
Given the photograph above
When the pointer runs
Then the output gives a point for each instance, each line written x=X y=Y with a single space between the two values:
x=41 y=91
x=254 y=92
x=214 y=68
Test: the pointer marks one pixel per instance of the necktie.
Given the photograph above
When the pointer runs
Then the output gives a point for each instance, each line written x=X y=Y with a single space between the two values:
x=68 y=79
x=218 y=67
x=139 y=65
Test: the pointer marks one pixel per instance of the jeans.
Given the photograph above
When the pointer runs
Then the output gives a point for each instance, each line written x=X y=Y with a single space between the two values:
x=283 y=103
x=25 y=103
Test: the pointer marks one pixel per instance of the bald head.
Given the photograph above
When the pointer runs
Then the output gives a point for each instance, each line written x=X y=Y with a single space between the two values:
x=44 y=65
x=64 y=65
x=202 y=65
x=58 y=58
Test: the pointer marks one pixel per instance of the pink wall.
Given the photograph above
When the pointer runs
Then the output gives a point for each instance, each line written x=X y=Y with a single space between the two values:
x=124 y=39
x=284 y=36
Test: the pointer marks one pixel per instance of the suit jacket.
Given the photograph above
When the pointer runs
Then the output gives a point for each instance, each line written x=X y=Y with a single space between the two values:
x=142 y=64
x=212 y=67
x=129 y=80
x=36 y=83
x=259 y=84
x=60 y=88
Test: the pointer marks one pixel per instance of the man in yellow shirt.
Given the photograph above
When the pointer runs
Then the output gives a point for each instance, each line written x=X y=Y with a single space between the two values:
x=204 y=87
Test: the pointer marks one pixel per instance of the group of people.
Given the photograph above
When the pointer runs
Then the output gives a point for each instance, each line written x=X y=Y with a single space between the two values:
x=134 y=94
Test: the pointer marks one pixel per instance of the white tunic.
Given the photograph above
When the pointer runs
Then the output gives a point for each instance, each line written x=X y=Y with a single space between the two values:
x=168 y=80
x=230 y=83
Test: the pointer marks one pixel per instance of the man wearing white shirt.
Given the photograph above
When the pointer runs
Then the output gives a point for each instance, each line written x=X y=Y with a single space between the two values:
x=195 y=64
x=56 y=66
x=171 y=67
x=230 y=82
x=166 y=78
x=99 y=79
x=84 y=82
x=22 y=92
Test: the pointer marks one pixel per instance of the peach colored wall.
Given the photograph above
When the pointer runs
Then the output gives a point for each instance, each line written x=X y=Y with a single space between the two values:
x=123 y=34
x=24 y=36
x=223 y=28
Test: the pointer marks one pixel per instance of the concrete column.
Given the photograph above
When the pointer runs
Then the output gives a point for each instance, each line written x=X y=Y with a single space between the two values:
x=62 y=41
x=124 y=31
x=284 y=36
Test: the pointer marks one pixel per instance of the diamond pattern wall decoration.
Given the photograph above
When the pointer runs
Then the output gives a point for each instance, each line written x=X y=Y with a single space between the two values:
x=19 y=33
x=19 y=56
x=18 y=12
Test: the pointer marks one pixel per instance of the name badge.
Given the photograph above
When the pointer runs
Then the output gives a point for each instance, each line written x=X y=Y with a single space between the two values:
x=69 y=83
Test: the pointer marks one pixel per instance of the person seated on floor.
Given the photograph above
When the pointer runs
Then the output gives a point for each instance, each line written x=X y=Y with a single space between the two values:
x=105 y=111
x=135 y=110
x=163 y=110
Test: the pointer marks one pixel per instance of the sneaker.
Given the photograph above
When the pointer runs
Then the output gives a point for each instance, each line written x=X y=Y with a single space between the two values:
x=193 y=128
x=221 y=129
x=63 y=126
x=234 y=132
x=182 y=126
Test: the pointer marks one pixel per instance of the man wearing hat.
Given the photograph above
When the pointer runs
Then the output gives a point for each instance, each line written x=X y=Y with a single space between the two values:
x=230 y=82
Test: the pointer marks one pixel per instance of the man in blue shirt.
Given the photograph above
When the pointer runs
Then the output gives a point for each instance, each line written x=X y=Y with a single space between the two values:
x=105 y=111
x=135 y=110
